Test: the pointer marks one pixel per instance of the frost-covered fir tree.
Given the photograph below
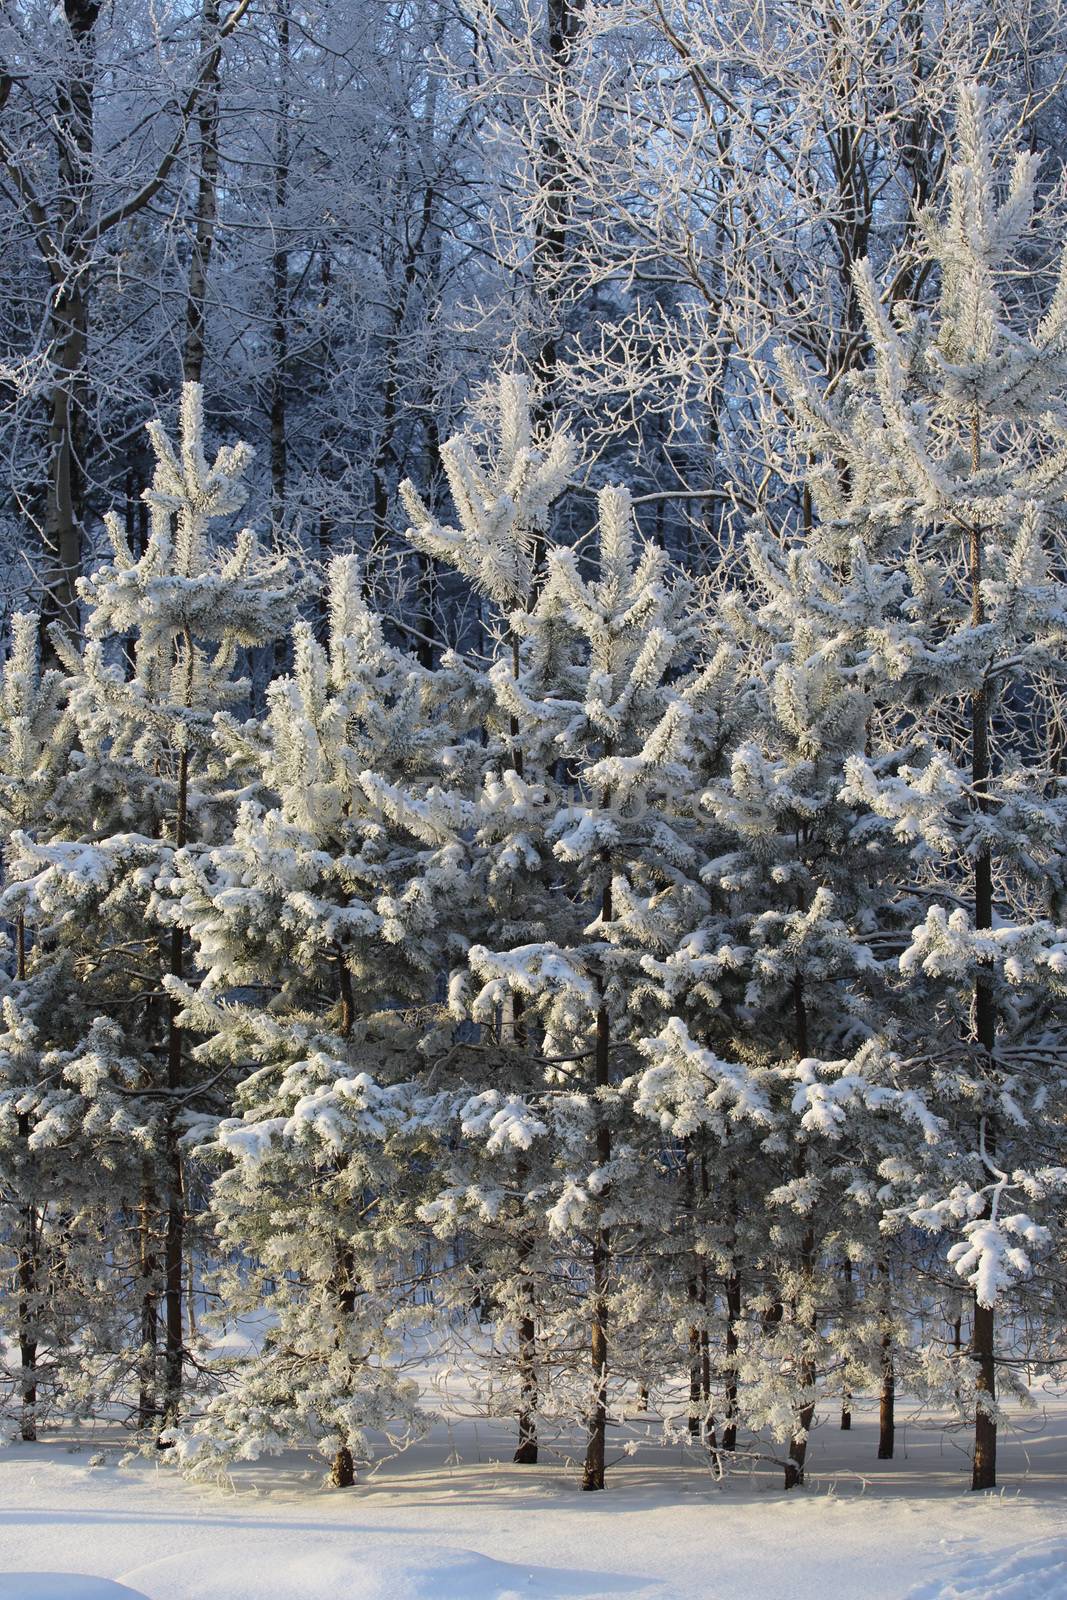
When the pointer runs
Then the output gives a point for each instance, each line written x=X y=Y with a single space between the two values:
x=118 y=1090
x=290 y=918
x=944 y=477
x=34 y=743
x=597 y=704
x=503 y=506
x=761 y=964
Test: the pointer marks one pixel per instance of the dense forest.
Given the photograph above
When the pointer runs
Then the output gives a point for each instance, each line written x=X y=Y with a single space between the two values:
x=533 y=731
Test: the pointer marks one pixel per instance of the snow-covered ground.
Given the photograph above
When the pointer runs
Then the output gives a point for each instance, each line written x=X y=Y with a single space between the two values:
x=454 y=1520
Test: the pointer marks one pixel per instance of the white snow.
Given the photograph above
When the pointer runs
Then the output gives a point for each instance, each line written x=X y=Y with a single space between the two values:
x=61 y=1586
x=1037 y=1571
x=454 y=1520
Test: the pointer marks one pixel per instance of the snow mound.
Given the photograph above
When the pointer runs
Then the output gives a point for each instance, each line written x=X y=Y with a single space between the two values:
x=441 y=1573
x=1035 y=1572
x=466 y=1575
x=322 y=1572
x=62 y=1586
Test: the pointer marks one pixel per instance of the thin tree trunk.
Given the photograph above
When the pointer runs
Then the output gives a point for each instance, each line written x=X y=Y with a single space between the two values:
x=705 y=1342
x=798 y=1445
x=280 y=285
x=695 y=1408
x=68 y=263
x=526 y=1452
x=174 y=1237
x=983 y=1335
x=550 y=242
x=846 y=1394
x=887 y=1397
x=887 y=1403
x=593 y=1472
x=29 y=1254
x=190 y=1295
x=733 y=1317
x=693 y=1296
x=550 y=233
x=147 y=1400
x=343 y=1471
x=206 y=202
x=28 y=1277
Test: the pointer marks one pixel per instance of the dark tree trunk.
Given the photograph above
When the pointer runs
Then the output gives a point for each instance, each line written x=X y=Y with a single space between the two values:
x=28 y=1253
x=887 y=1398
x=343 y=1470
x=887 y=1403
x=29 y=1266
x=593 y=1472
x=68 y=262
x=846 y=1394
x=147 y=1399
x=174 y=1236
x=279 y=448
x=983 y=1334
x=798 y=1445
x=526 y=1452
x=550 y=234
x=733 y=1317
x=206 y=200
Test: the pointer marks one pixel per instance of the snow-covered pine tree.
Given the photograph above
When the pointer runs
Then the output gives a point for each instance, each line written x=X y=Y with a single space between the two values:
x=503 y=503
x=312 y=1204
x=636 y=712
x=595 y=691
x=944 y=474
x=163 y=632
x=763 y=965
x=34 y=743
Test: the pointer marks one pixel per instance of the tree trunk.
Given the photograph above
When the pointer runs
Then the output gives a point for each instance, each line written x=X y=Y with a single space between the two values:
x=886 y=1403
x=733 y=1317
x=174 y=1237
x=280 y=284
x=68 y=326
x=695 y=1407
x=147 y=1400
x=343 y=1471
x=798 y=1445
x=593 y=1472
x=887 y=1398
x=206 y=201
x=846 y=1393
x=28 y=1253
x=983 y=1334
x=957 y=1346
x=549 y=253
x=550 y=234
x=526 y=1453
x=28 y=1280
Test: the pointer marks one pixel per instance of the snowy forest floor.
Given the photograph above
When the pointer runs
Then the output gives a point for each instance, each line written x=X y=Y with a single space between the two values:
x=452 y=1519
